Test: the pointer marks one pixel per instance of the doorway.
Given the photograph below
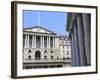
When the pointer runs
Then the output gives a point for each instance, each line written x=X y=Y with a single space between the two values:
x=37 y=55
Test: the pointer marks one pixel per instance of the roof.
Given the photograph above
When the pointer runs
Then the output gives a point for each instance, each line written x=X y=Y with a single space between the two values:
x=25 y=29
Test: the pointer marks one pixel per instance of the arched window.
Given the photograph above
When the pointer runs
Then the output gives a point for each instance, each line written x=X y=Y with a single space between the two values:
x=37 y=55
x=29 y=57
x=51 y=57
x=45 y=51
x=51 y=51
x=29 y=51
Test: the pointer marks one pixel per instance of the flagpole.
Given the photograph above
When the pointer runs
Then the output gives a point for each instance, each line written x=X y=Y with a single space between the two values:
x=38 y=18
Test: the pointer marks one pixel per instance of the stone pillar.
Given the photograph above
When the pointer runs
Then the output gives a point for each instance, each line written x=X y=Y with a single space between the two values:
x=87 y=34
x=47 y=42
x=77 y=55
x=27 y=41
x=83 y=60
x=73 y=51
x=53 y=42
x=35 y=41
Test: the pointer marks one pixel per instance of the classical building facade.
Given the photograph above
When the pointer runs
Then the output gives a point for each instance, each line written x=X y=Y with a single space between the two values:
x=79 y=26
x=43 y=48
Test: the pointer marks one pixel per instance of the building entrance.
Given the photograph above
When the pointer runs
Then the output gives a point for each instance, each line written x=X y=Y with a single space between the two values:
x=37 y=55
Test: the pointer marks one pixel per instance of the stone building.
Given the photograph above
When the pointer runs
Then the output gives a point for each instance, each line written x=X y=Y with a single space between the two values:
x=43 y=48
x=79 y=26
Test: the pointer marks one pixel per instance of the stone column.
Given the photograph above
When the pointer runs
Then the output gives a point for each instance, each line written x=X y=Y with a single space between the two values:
x=53 y=42
x=73 y=51
x=33 y=41
x=47 y=42
x=83 y=60
x=25 y=41
x=87 y=34
x=76 y=45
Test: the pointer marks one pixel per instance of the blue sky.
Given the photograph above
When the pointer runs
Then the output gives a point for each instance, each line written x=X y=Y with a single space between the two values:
x=54 y=21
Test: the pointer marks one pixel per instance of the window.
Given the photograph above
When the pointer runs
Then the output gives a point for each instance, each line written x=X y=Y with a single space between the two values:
x=51 y=51
x=45 y=51
x=29 y=51
x=51 y=57
x=29 y=57
x=67 y=52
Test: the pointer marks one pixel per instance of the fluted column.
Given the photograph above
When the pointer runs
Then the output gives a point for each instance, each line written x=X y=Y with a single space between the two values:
x=25 y=41
x=87 y=34
x=73 y=50
x=53 y=42
x=83 y=60
x=77 y=55
x=33 y=41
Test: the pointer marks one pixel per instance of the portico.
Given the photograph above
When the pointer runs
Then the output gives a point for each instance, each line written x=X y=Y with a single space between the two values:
x=38 y=41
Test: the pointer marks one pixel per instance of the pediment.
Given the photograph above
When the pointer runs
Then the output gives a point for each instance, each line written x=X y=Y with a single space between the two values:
x=39 y=29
